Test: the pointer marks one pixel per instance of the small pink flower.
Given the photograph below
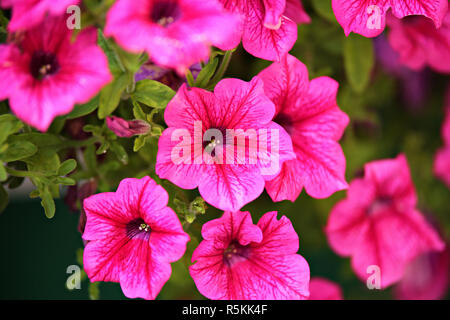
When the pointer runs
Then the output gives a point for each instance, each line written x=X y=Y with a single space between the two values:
x=175 y=33
x=238 y=260
x=268 y=28
x=44 y=73
x=133 y=237
x=442 y=157
x=420 y=44
x=368 y=18
x=426 y=277
x=307 y=110
x=378 y=223
x=127 y=128
x=324 y=289
x=224 y=179
x=29 y=13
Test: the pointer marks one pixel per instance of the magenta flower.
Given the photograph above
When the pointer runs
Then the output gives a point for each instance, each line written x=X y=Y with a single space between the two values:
x=268 y=28
x=29 y=13
x=206 y=144
x=426 y=278
x=45 y=73
x=378 y=223
x=368 y=18
x=307 y=110
x=127 y=128
x=238 y=260
x=324 y=289
x=442 y=158
x=133 y=237
x=175 y=33
x=420 y=44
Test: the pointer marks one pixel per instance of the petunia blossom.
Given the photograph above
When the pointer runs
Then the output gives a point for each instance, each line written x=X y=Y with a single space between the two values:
x=425 y=278
x=133 y=236
x=268 y=28
x=29 y=13
x=222 y=142
x=238 y=260
x=308 y=111
x=175 y=33
x=420 y=44
x=378 y=224
x=324 y=289
x=442 y=157
x=368 y=18
x=44 y=73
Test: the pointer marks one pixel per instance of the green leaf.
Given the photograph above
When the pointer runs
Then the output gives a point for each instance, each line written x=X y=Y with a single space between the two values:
x=153 y=93
x=83 y=109
x=65 y=181
x=18 y=150
x=3 y=174
x=67 y=167
x=139 y=142
x=115 y=66
x=48 y=203
x=4 y=199
x=110 y=95
x=324 y=9
x=46 y=159
x=358 y=61
x=9 y=124
x=206 y=73
x=120 y=152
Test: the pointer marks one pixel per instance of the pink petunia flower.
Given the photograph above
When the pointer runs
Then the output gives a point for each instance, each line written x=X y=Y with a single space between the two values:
x=442 y=158
x=368 y=18
x=238 y=260
x=133 y=236
x=44 y=73
x=426 y=277
x=324 y=289
x=268 y=28
x=29 y=13
x=378 y=224
x=222 y=142
x=420 y=44
x=307 y=110
x=175 y=33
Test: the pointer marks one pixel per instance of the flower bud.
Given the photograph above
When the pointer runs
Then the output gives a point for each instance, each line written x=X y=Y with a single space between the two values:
x=127 y=128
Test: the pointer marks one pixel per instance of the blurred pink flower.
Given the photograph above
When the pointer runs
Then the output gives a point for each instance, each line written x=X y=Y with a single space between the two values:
x=133 y=237
x=378 y=223
x=307 y=110
x=29 y=13
x=224 y=179
x=127 y=128
x=426 y=277
x=442 y=157
x=44 y=73
x=238 y=260
x=268 y=28
x=175 y=33
x=420 y=44
x=324 y=289
x=368 y=18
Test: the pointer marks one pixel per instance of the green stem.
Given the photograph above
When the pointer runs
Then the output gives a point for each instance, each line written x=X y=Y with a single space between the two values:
x=222 y=68
x=23 y=174
x=190 y=78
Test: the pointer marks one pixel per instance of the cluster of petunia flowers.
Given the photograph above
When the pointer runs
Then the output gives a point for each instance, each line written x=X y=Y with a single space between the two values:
x=132 y=236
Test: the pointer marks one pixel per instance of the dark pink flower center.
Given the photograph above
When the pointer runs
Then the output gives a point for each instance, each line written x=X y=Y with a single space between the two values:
x=43 y=64
x=138 y=229
x=215 y=142
x=165 y=12
x=235 y=253
x=285 y=121
x=380 y=204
